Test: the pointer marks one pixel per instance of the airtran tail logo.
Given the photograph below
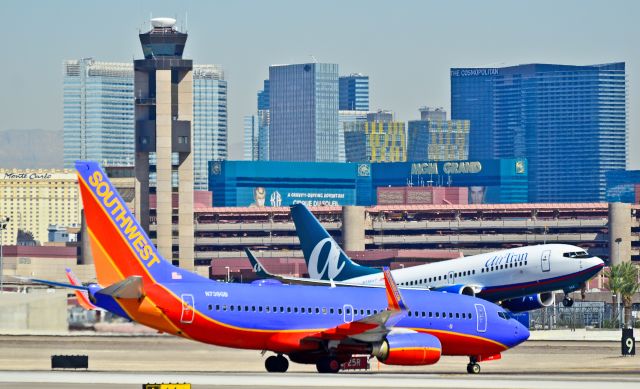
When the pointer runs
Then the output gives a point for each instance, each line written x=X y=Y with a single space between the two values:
x=123 y=219
x=330 y=264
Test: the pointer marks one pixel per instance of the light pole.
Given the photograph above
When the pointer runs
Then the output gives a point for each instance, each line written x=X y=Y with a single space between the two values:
x=3 y=226
x=227 y=267
x=618 y=241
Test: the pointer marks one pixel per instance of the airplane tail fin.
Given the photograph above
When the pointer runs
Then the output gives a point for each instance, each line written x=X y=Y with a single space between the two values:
x=256 y=265
x=325 y=259
x=120 y=247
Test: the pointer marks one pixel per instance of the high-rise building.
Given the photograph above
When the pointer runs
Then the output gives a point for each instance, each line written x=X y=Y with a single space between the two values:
x=375 y=141
x=164 y=113
x=99 y=115
x=98 y=112
x=250 y=151
x=381 y=115
x=345 y=117
x=429 y=113
x=209 y=121
x=263 y=122
x=568 y=121
x=303 y=108
x=354 y=92
x=438 y=140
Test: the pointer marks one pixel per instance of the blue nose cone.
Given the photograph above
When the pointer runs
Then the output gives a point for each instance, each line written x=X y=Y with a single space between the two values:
x=521 y=333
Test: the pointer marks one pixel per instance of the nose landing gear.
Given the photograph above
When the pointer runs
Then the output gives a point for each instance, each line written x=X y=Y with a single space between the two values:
x=473 y=367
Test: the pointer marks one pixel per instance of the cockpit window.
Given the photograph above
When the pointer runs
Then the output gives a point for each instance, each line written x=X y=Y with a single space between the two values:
x=576 y=254
x=503 y=315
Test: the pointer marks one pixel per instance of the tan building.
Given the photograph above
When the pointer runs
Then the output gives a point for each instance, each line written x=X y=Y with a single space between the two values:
x=34 y=199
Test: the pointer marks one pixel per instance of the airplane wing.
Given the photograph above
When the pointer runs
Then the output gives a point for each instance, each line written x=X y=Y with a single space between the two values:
x=371 y=328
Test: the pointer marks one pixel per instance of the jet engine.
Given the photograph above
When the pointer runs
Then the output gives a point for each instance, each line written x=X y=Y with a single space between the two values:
x=408 y=349
x=458 y=289
x=529 y=303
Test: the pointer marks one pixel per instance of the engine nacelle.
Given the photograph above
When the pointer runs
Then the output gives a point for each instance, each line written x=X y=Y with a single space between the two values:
x=408 y=349
x=529 y=303
x=457 y=289
x=266 y=282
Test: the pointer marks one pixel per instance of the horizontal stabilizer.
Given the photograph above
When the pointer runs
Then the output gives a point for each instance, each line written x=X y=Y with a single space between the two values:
x=129 y=288
x=51 y=283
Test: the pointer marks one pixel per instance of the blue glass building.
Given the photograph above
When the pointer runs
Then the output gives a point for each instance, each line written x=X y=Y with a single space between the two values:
x=209 y=121
x=98 y=112
x=354 y=92
x=263 y=119
x=623 y=186
x=303 y=109
x=569 y=122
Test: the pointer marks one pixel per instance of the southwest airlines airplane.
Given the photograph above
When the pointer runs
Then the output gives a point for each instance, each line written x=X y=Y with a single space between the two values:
x=521 y=279
x=317 y=325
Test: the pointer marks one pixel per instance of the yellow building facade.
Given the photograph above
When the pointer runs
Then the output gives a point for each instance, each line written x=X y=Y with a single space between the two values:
x=34 y=199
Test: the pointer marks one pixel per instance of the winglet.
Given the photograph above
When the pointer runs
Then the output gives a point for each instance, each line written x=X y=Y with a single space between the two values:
x=394 y=298
x=258 y=268
x=81 y=295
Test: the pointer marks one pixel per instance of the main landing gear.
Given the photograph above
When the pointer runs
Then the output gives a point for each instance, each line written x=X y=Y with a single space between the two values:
x=328 y=365
x=567 y=301
x=276 y=364
x=473 y=367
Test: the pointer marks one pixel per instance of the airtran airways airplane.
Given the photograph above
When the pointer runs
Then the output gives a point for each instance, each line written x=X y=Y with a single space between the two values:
x=521 y=279
x=317 y=325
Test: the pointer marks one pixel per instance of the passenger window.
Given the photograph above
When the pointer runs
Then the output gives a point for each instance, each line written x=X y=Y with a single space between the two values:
x=210 y=307
x=482 y=270
x=525 y=263
x=288 y=309
x=339 y=311
x=246 y=308
x=424 y=314
x=231 y=307
x=474 y=272
x=217 y=307
x=409 y=313
x=281 y=309
x=368 y=312
x=348 y=311
x=331 y=311
x=450 y=315
x=260 y=308
x=253 y=308
x=224 y=307
x=463 y=315
x=309 y=310
x=295 y=309
x=430 y=314
x=437 y=314
x=469 y=315
x=266 y=309
x=302 y=310
x=457 y=315
x=324 y=311
x=362 y=312
x=439 y=278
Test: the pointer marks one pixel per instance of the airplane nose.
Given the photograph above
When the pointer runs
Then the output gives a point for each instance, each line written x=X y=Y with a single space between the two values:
x=595 y=261
x=521 y=333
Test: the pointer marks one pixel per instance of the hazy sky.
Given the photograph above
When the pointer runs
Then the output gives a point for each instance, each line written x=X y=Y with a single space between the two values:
x=406 y=47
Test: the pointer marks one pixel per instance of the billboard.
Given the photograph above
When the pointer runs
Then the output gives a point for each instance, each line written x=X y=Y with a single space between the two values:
x=261 y=196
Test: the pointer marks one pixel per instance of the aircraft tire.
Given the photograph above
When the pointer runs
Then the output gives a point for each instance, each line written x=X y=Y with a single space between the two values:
x=473 y=368
x=328 y=365
x=272 y=364
x=567 y=302
x=283 y=364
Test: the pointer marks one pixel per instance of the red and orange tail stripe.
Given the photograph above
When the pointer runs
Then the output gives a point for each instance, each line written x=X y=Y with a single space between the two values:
x=394 y=299
x=81 y=295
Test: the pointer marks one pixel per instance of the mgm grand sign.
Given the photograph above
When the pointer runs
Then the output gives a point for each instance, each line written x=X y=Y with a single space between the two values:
x=466 y=167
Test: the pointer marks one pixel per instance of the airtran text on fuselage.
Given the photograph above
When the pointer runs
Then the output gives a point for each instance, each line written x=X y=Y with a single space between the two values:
x=505 y=259
x=123 y=219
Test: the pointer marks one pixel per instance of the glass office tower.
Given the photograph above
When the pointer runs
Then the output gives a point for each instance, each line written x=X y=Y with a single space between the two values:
x=209 y=121
x=568 y=121
x=98 y=112
x=303 y=110
x=354 y=92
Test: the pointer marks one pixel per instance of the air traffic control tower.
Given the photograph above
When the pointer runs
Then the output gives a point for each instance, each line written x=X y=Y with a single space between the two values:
x=163 y=90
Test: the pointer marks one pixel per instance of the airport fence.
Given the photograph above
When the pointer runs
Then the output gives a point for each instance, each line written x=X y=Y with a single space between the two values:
x=581 y=315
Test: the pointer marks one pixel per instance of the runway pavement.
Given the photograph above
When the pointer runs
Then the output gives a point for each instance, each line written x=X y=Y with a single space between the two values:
x=125 y=362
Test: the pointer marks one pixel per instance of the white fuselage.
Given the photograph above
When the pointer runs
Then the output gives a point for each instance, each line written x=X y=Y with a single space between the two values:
x=502 y=274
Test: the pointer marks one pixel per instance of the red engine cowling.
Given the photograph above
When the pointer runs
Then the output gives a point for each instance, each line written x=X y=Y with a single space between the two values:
x=409 y=349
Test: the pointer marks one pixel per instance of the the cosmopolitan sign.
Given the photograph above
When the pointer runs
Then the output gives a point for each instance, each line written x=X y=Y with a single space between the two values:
x=471 y=167
x=474 y=72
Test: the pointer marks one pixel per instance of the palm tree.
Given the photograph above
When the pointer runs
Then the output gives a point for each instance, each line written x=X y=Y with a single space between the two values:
x=623 y=280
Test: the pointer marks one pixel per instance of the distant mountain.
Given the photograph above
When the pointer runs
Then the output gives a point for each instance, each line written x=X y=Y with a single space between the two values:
x=31 y=149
